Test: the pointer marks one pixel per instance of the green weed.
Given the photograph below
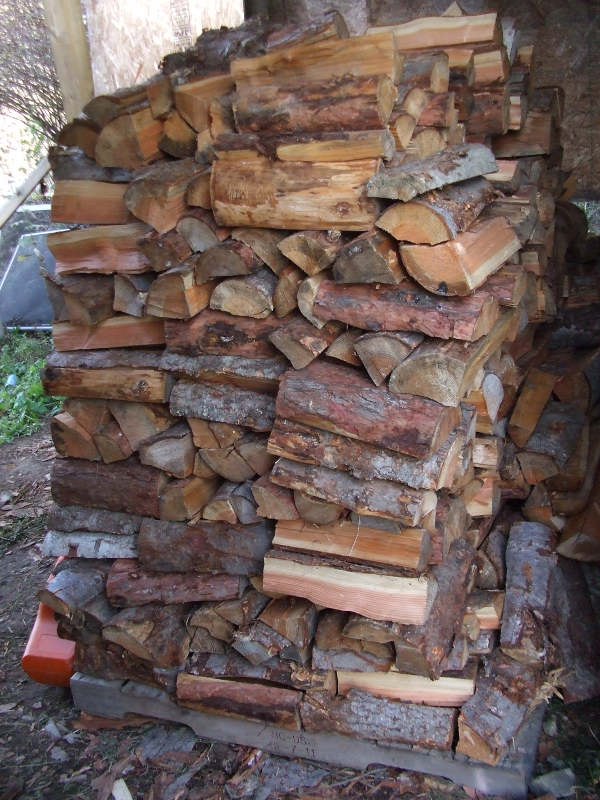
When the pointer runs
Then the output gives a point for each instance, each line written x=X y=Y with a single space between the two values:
x=23 y=406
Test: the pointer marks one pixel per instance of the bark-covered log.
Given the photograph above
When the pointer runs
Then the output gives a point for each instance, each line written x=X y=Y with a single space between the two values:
x=253 y=374
x=216 y=333
x=156 y=633
x=80 y=518
x=222 y=403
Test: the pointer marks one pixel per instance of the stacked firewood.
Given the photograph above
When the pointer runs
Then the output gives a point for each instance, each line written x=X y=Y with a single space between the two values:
x=295 y=412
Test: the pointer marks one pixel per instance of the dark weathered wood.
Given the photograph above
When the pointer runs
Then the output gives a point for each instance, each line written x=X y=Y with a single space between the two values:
x=371 y=257
x=88 y=299
x=339 y=399
x=243 y=611
x=222 y=403
x=332 y=649
x=259 y=643
x=124 y=486
x=178 y=139
x=163 y=251
x=233 y=503
x=217 y=333
x=490 y=113
x=255 y=374
x=154 y=632
x=557 y=432
x=301 y=342
x=407 y=307
x=204 y=547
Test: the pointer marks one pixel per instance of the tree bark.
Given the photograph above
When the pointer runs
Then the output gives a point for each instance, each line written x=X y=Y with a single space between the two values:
x=223 y=403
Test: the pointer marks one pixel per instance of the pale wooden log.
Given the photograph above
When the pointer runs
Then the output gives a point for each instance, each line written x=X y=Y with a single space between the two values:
x=127 y=585
x=251 y=296
x=439 y=215
x=129 y=140
x=172 y=451
x=78 y=518
x=332 y=649
x=82 y=133
x=410 y=548
x=184 y=499
x=342 y=348
x=463 y=265
x=243 y=699
x=488 y=607
x=89 y=202
x=203 y=547
x=293 y=195
x=112 y=443
x=444 y=31
x=163 y=251
x=360 y=714
x=299 y=442
x=406 y=307
x=509 y=175
x=222 y=403
x=285 y=296
x=301 y=342
x=456 y=163
x=159 y=91
x=440 y=111
x=534 y=395
x=158 y=195
x=336 y=147
x=200 y=231
x=375 y=594
x=344 y=402
x=192 y=100
x=273 y=502
x=351 y=104
x=320 y=61
x=119 y=331
x=446 y=691
x=131 y=292
x=315 y=510
x=216 y=333
x=71 y=439
x=153 y=632
x=487 y=452
x=371 y=257
x=124 y=486
x=312 y=251
x=174 y=294
x=482 y=497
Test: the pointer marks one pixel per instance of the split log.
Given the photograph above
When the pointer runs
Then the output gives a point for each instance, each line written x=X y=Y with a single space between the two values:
x=530 y=562
x=410 y=548
x=198 y=191
x=89 y=203
x=251 y=296
x=193 y=99
x=73 y=163
x=205 y=616
x=125 y=486
x=380 y=353
x=119 y=331
x=200 y=231
x=177 y=138
x=107 y=374
x=293 y=195
x=509 y=175
x=376 y=593
x=377 y=498
x=579 y=539
x=446 y=691
x=140 y=421
x=131 y=293
x=127 y=585
x=293 y=618
x=265 y=244
x=78 y=518
x=491 y=559
x=312 y=251
x=343 y=402
x=259 y=643
x=226 y=260
x=163 y=251
x=535 y=393
x=244 y=610
x=81 y=133
x=68 y=592
x=336 y=147
x=407 y=307
x=223 y=403
x=285 y=296
x=555 y=436
x=87 y=299
x=71 y=439
x=371 y=257
x=242 y=699
x=440 y=111
x=488 y=607
x=159 y=91
x=130 y=140
x=458 y=267
x=301 y=342
x=333 y=650
x=156 y=633
x=105 y=107
x=490 y=113
x=273 y=502
x=306 y=294
x=360 y=714
x=230 y=464
x=204 y=643
x=158 y=195
x=342 y=348
x=351 y=104
x=233 y=503
x=112 y=443
x=439 y=215
x=203 y=547
x=184 y=499
x=315 y=510
x=456 y=163
x=508 y=285
x=171 y=451
x=487 y=452
x=175 y=294
x=536 y=137
x=298 y=442
x=445 y=31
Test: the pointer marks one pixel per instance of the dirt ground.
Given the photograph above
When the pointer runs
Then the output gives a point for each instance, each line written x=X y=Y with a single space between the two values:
x=48 y=751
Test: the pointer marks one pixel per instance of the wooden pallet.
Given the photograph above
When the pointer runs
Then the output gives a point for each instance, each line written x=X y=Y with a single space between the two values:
x=510 y=778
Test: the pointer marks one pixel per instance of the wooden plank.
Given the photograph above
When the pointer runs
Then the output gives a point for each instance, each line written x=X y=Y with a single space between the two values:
x=119 y=331
x=445 y=691
x=8 y=208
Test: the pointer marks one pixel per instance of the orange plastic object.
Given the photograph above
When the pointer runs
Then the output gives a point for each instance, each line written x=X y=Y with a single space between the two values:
x=48 y=659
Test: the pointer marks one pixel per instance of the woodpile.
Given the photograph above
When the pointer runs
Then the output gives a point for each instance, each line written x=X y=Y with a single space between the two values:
x=317 y=444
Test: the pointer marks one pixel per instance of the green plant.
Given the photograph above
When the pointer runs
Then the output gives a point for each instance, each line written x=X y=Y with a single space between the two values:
x=23 y=404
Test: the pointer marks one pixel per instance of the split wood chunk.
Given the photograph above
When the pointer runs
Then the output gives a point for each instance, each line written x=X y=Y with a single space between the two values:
x=488 y=608
x=106 y=249
x=105 y=107
x=69 y=591
x=335 y=147
x=254 y=374
x=131 y=293
x=112 y=443
x=508 y=285
x=444 y=692
x=332 y=649
x=292 y=617
x=251 y=296
x=90 y=414
x=503 y=700
x=445 y=31
x=159 y=91
x=317 y=511
x=491 y=559
x=233 y=503
x=378 y=498
x=218 y=334
x=482 y=497
x=537 y=137
x=81 y=300
x=312 y=251
x=439 y=215
x=273 y=501
x=410 y=548
x=360 y=714
x=342 y=348
x=306 y=295
x=509 y=175
x=141 y=421
x=71 y=439
x=301 y=342
x=227 y=260
x=123 y=486
x=158 y=195
x=205 y=616
x=127 y=585
x=371 y=257
x=241 y=460
x=129 y=140
x=346 y=103
x=89 y=203
x=553 y=441
x=490 y=113
x=538 y=507
x=82 y=133
x=242 y=699
x=192 y=100
x=204 y=547
x=429 y=71
x=299 y=442
x=344 y=402
x=407 y=307
x=459 y=267
x=222 y=403
x=119 y=331
x=175 y=294
x=204 y=642
x=172 y=451
x=535 y=393
x=154 y=632
x=285 y=296
x=487 y=452
x=198 y=191
x=164 y=251
x=177 y=139
x=370 y=592
x=200 y=231
x=183 y=499
x=71 y=163
x=440 y=111
x=294 y=195
x=320 y=62
x=243 y=611
x=445 y=371
x=265 y=244
x=454 y=164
